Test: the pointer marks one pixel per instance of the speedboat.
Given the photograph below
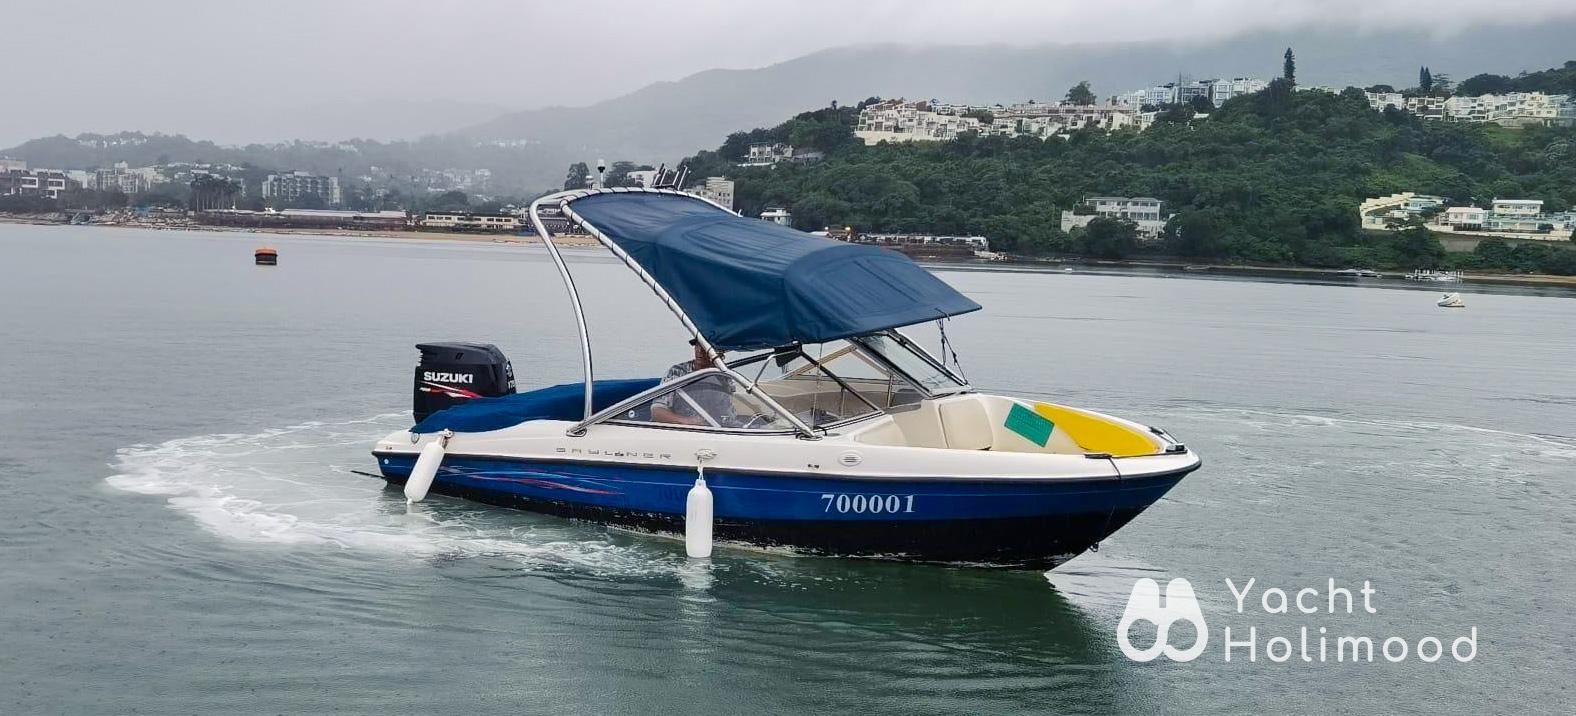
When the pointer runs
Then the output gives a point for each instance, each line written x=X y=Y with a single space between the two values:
x=1451 y=300
x=831 y=433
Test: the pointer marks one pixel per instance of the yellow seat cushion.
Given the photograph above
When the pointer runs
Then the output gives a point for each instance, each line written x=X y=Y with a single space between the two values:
x=1095 y=434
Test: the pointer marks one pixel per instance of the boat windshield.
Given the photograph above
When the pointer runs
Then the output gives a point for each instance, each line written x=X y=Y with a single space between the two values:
x=828 y=383
x=704 y=400
x=921 y=369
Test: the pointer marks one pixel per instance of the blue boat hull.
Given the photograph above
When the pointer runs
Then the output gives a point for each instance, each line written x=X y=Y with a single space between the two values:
x=1009 y=523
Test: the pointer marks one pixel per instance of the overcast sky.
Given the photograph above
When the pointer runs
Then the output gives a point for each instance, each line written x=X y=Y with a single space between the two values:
x=259 y=70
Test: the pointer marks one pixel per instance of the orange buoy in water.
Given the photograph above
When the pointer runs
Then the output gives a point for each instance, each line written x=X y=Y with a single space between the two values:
x=266 y=257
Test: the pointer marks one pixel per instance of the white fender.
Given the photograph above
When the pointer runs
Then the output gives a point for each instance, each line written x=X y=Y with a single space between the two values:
x=697 y=520
x=697 y=510
x=426 y=469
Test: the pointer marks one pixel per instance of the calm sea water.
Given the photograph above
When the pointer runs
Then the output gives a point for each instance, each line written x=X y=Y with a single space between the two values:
x=181 y=530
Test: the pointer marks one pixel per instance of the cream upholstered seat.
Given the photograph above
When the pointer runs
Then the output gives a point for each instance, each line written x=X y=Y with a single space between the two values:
x=965 y=425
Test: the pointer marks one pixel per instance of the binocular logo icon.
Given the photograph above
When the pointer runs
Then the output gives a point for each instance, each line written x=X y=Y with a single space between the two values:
x=1144 y=605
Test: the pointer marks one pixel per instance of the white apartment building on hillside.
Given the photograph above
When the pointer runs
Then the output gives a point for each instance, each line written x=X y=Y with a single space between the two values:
x=1141 y=210
x=903 y=121
x=298 y=184
x=1222 y=90
x=718 y=189
x=1216 y=90
x=1517 y=109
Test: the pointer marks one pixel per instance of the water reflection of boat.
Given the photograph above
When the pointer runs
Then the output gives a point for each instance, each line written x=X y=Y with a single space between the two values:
x=1451 y=300
x=833 y=433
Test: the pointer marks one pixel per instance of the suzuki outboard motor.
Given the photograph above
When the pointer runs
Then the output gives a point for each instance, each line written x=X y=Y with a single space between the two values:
x=453 y=373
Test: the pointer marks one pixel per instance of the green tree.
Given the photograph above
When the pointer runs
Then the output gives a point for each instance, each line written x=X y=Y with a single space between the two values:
x=1289 y=67
x=1201 y=104
x=618 y=173
x=1415 y=245
x=1081 y=94
x=1485 y=84
x=1425 y=81
x=1108 y=238
x=576 y=178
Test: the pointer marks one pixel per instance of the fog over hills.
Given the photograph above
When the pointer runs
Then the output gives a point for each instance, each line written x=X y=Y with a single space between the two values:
x=668 y=120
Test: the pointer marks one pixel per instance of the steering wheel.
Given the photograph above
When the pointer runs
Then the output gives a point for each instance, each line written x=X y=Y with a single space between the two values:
x=759 y=420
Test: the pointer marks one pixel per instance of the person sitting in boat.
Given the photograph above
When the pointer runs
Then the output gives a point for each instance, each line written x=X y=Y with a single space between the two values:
x=712 y=394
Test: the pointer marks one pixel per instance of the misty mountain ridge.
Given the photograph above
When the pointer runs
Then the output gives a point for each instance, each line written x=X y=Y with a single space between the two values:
x=666 y=121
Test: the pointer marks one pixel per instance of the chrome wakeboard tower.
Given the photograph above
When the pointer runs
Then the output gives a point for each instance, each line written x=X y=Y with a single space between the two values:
x=563 y=200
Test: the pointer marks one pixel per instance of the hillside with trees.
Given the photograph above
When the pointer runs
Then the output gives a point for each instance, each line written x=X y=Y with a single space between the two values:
x=1560 y=80
x=1273 y=177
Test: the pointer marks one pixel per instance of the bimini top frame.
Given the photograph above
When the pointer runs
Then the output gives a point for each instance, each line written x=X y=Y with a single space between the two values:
x=562 y=200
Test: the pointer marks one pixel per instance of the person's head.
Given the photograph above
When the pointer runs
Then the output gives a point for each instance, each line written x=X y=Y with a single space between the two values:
x=701 y=359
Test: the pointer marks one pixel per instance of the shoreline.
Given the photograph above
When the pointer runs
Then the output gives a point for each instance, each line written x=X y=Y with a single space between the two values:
x=1294 y=272
x=582 y=240
x=575 y=240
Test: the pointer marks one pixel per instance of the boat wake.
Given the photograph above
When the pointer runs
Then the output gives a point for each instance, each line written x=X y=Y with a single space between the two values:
x=298 y=486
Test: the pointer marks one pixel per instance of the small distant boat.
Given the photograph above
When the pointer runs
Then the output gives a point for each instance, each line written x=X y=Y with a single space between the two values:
x=1195 y=267
x=1068 y=269
x=266 y=256
x=1451 y=300
x=1361 y=273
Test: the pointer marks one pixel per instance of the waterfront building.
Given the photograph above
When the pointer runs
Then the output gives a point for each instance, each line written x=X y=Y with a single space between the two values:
x=124 y=179
x=1518 y=215
x=34 y=182
x=465 y=221
x=1507 y=218
x=307 y=218
x=12 y=165
x=553 y=219
x=778 y=216
x=1381 y=212
x=297 y=184
x=1465 y=218
x=718 y=189
x=1518 y=207
x=1143 y=211
x=977 y=242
